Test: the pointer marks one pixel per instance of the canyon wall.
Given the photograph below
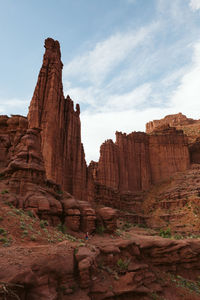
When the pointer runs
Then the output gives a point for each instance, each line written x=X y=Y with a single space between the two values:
x=136 y=161
x=168 y=153
x=171 y=120
x=60 y=125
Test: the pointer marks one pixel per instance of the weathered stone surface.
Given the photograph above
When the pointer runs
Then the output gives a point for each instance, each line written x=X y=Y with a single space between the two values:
x=171 y=120
x=194 y=150
x=22 y=167
x=61 y=137
x=134 y=162
x=108 y=218
x=168 y=152
x=88 y=217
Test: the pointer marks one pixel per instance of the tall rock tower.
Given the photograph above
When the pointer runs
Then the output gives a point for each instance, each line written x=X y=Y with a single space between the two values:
x=62 y=149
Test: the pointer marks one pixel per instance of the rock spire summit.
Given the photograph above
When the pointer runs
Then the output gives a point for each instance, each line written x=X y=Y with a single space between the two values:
x=62 y=150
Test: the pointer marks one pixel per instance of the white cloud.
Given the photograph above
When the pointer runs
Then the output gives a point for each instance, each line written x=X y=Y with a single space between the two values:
x=195 y=4
x=14 y=106
x=98 y=127
x=128 y=101
x=120 y=113
x=134 y=77
x=95 y=65
x=187 y=95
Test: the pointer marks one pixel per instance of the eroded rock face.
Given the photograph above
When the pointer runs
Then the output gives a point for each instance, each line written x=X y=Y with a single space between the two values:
x=61 y=145
x=88 y=217
x=171 y=120
x=72 y=214
x=136 y=161
x=23 y=175
x=168 y=152
x=108 y=218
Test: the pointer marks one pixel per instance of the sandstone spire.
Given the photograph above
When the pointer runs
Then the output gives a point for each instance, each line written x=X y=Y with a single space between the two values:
x=61 y=137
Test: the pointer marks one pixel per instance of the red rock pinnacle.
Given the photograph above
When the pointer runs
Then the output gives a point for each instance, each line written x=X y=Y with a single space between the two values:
x=61 y=138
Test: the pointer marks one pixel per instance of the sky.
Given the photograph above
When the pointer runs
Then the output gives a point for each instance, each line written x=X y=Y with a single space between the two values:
x=126 y=62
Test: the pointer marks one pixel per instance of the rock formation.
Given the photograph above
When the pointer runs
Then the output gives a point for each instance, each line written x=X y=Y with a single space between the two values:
x=190 y=127
x=136 y=161
x=61 y=145
x=171 y=120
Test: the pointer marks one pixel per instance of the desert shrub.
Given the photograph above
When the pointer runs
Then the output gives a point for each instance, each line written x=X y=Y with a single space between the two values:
x=33 y=237
x=59 y=192
x=4 y=192
x=100 y=229
x=165 y=233
x=127 y=225
x=30 y=213
x=44 y=223
x=62 y=228
x=123 y=264
x=178 y=237
x=3 y=231
x=25 y=232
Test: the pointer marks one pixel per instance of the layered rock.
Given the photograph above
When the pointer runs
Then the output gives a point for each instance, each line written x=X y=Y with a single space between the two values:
x=136 y=161
x=23 y=177
x=60 y=124
x=171 y=120
x=133 y=268
x=190 y=127
x=107 y=219
x=168 y=153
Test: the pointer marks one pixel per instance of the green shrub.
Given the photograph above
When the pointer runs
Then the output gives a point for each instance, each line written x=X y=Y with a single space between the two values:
x=127 y=225
x=18 y=212
x=25 y=232
x=100 y=229
x=33 y=238
x=123 y=264
x=62 y=228
x=3 y=231
x=178 y=237
x=4 y=192
x=59 y=192
x=44 y=223
x=165 y=233
x=30 y=213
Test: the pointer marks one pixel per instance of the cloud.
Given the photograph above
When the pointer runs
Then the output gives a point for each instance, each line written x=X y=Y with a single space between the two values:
x=187 y=94
x=136 y=76
x=194 y=4
x=121 y=112
x=95 y=65
x=14 y=106
x=127 y=101
x=98 y=127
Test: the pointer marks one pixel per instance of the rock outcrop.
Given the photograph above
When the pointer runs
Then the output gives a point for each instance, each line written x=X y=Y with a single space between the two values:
x=136 y=161
x=49 y=110
x=171 y=120
x=23 y=181
x=134 y=268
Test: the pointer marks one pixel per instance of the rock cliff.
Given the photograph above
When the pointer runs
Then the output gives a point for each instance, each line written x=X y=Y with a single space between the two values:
x=136 y=161
x=49 y=110
x=172 y=120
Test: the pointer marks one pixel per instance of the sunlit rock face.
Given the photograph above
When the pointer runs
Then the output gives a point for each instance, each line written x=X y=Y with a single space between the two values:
x=49 y=110
x=136 y=161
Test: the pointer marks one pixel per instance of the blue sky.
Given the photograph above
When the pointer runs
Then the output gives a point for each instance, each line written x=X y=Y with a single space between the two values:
x=125 y=61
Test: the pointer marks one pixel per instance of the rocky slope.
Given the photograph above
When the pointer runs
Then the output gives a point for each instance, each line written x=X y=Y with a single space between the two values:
x=39 y=262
